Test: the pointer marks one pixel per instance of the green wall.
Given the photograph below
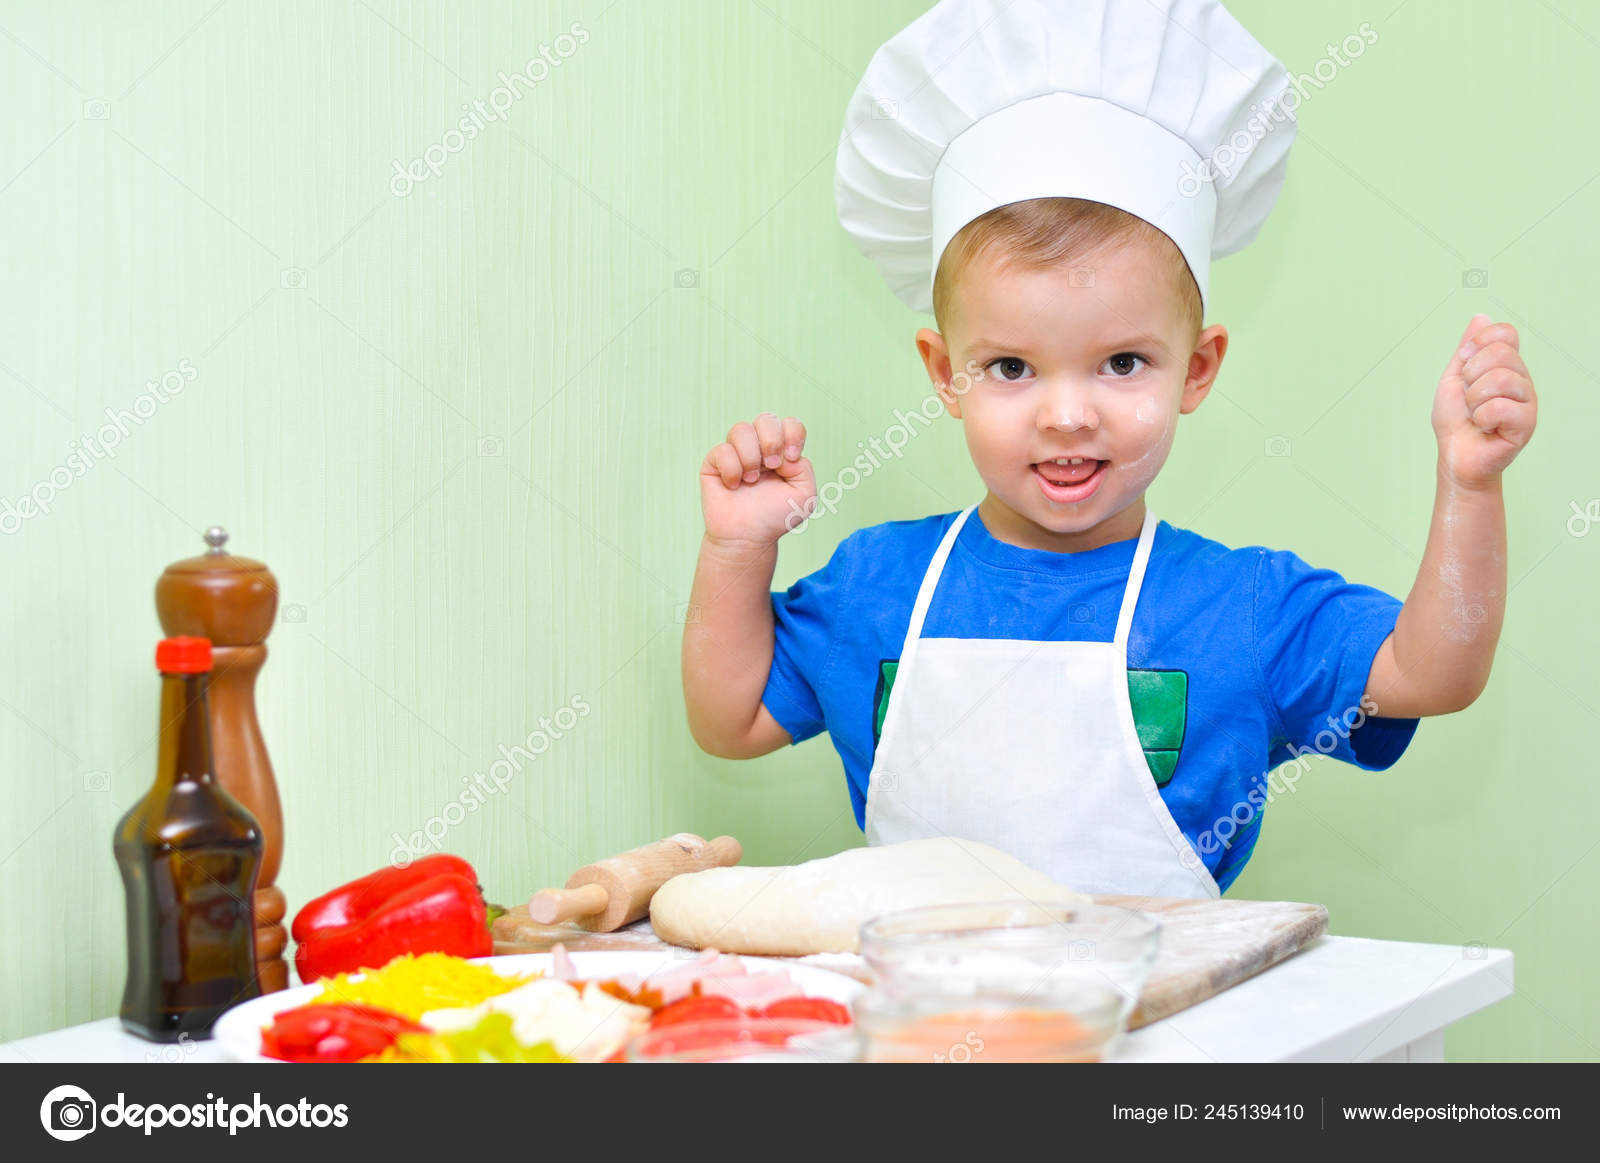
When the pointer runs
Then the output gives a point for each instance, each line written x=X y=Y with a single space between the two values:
x=463 y=427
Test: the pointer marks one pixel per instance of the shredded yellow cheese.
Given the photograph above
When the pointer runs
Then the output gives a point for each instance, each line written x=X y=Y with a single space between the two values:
x=412 y=985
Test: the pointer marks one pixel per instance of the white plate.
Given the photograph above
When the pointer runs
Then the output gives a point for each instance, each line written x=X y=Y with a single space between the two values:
x=238 y=1031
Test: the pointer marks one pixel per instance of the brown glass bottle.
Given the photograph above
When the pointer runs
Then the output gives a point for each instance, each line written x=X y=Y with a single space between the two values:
x=189 y=854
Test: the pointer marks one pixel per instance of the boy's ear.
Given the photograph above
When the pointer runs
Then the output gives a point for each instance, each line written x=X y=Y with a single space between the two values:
x=1204 y=364
x=936 y=358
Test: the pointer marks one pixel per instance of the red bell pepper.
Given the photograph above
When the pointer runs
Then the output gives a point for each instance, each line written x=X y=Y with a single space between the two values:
x=333 y=1033
x=443 y=914
x=359 y=899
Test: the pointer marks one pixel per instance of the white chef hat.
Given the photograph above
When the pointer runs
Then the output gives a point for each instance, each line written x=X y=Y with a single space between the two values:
x=1167 y=109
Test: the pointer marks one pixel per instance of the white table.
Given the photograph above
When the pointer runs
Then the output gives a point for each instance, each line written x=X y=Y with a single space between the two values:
x=1340 y=999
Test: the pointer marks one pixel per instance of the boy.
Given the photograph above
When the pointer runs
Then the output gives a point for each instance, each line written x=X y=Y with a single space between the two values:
x=1053 y=671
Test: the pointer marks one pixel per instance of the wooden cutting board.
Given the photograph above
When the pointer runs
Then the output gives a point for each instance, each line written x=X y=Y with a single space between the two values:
x=1206 y=946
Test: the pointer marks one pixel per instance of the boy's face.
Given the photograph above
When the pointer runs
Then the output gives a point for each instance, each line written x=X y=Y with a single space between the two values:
x=1093 y=360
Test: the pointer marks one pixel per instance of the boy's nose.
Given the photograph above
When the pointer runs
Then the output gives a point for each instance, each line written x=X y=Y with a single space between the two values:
x=1066 y=408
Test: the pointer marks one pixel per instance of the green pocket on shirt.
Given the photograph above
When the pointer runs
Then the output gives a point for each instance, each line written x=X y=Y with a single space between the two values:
x=1160 y=701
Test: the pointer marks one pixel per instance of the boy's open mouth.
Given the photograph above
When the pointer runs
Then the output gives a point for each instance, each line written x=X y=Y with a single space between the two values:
x=1068 y=479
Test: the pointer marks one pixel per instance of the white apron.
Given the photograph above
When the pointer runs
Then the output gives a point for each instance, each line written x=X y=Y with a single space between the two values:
x=1029 y=747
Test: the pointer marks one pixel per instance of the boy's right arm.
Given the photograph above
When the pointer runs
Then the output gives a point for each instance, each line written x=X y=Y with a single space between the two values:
x=754 y=487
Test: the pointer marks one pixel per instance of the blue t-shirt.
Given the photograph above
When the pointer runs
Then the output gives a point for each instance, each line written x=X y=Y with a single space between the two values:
x=1239 y=660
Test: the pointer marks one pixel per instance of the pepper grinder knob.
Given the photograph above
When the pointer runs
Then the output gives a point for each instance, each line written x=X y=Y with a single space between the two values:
x=216 y=537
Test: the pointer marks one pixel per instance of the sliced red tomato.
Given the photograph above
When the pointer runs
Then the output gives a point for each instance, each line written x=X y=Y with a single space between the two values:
x=695 y=1009
x=333 y=1033
x=817 y=1009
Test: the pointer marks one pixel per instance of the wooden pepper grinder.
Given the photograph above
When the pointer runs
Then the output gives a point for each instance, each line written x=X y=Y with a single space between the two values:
x=232 y=601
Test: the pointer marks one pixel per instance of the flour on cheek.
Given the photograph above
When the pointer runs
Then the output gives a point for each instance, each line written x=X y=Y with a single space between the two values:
x=1141 y=472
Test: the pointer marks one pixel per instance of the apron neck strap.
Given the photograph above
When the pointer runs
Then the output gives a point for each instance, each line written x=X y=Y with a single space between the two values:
x=930 y=581
x=1130 y=596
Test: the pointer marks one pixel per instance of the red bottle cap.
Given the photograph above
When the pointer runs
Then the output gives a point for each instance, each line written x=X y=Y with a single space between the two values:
x=183 y=655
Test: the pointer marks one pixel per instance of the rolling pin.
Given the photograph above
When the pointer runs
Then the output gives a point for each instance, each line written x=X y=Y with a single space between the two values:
x=616 y=891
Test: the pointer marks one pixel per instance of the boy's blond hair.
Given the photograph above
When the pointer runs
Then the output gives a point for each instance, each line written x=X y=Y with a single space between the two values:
x=1046 y=232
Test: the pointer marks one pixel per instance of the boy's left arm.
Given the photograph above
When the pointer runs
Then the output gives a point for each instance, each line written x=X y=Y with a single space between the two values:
x=1438 y=657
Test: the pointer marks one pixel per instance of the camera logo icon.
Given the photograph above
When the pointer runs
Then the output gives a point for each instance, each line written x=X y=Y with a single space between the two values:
x=292 y=278
x=68 y=1113
x=1278 y=446
x=1081 y=950
x=1082 y=613
x=885 y=109
x=1081 y=277
x=490 y=446
x=1586 y=518
x=1475 y=277
x=294 y=613
x=686 y=278
x=173 y=1052
x=97 y=109
x=96 y=781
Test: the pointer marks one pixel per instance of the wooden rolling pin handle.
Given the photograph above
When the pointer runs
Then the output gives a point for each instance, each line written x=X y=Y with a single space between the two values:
x=555 y=905
x=725 y=852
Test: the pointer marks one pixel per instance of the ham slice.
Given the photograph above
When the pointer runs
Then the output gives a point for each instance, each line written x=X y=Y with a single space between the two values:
x=722 y=965
x=679 y=981
x=561 y=964
x=753 y=990
x=718 y=965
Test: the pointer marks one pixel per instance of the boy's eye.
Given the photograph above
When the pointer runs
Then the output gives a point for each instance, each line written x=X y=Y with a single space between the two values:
x=1121 y=364
x=1009 y=367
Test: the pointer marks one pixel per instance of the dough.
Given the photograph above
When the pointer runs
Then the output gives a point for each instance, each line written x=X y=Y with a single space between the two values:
x=820 y=906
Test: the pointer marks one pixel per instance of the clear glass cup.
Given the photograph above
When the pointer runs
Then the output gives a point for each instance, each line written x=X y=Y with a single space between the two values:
x=1010 y=980
x=745 y=1040
x=993 y=1027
